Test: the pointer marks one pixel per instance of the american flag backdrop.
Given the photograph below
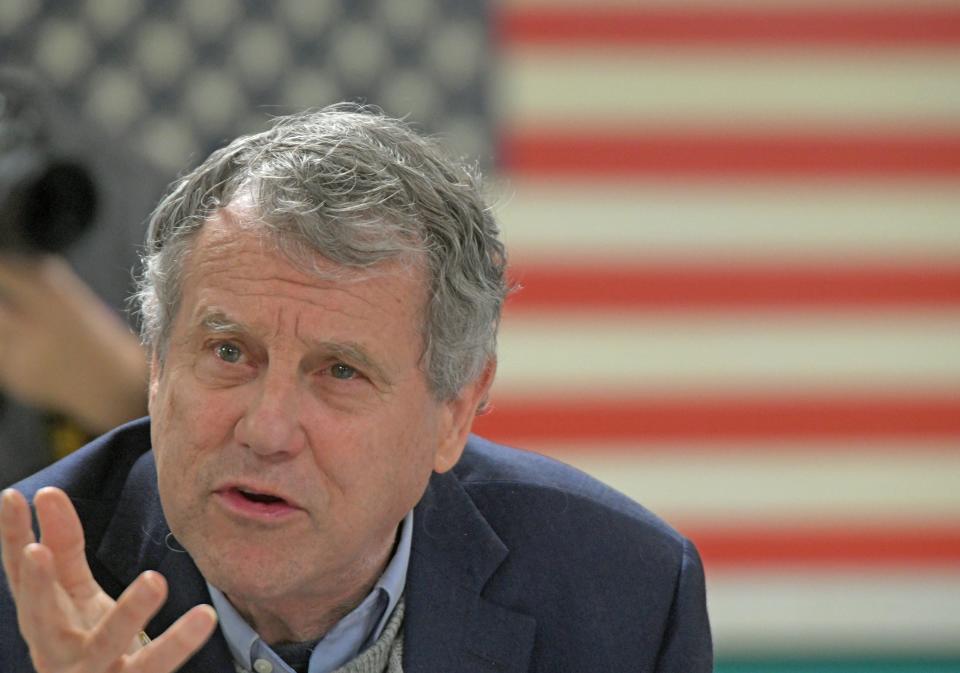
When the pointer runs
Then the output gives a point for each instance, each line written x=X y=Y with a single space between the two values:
x=736 y=228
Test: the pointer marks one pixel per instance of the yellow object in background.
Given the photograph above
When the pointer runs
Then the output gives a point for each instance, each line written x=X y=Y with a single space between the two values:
x=66 y=436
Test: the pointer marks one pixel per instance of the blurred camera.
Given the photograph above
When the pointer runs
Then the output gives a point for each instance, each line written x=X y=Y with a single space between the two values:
x=48 y=198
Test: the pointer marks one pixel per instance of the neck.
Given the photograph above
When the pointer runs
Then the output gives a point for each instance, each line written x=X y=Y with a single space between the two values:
x=296 y=624
x=308 y=615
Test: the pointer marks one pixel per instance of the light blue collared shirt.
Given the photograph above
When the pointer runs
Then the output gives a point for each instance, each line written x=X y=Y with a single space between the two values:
x=349 y=637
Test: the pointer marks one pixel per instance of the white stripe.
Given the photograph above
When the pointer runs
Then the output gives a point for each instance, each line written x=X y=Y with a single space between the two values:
x=892 y=352
x=650 y=220
x=779 y=483
x=749 y=90
x=835 y=613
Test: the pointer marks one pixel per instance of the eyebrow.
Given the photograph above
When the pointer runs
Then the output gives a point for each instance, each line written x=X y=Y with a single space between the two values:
x=217 y=321
x=220 y=323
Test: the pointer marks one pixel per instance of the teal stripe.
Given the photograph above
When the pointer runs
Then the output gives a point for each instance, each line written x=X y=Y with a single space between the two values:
x=820 y=666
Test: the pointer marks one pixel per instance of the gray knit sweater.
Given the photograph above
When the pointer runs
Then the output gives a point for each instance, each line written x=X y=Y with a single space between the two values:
x=385 y=655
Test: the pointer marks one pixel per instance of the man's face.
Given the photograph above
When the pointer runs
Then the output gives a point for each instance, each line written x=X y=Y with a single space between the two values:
x=292 y=423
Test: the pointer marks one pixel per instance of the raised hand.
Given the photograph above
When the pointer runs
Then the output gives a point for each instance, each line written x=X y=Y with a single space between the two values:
x=70 y=624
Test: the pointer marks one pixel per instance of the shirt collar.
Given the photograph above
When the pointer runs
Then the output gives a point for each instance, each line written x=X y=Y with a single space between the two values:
x=348 y=637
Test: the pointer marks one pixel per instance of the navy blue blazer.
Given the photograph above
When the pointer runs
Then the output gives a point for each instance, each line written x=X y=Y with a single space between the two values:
x=519 y=563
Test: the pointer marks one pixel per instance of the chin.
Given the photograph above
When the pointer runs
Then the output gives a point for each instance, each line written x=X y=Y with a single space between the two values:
x=252 y=573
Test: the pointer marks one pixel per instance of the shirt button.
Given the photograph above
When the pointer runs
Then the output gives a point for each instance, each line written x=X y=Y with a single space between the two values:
x=262 y=666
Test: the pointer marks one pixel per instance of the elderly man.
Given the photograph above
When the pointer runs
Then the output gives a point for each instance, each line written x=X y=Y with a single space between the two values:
x=321 y=303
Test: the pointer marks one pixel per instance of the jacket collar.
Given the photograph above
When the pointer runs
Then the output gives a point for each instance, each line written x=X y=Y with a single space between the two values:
x=448 y=625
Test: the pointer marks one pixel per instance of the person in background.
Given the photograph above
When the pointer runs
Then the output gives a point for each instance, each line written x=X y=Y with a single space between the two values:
x=65 y=351
x=321 y=302
x=73 y=208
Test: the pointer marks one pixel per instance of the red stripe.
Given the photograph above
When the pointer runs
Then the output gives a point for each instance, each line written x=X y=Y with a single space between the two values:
x=655 y=287
x=542 y=420
x=748 y=547
x=728 y=155
x=638 y=26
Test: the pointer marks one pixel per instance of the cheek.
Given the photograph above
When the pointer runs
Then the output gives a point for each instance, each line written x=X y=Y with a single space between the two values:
x=185 y=465
x=183 y=403
x=411 y=444
x=376 y=459
x=185 y=419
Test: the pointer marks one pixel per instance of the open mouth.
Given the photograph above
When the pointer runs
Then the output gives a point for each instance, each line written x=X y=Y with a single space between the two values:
x=261 y=497
x=256 y=504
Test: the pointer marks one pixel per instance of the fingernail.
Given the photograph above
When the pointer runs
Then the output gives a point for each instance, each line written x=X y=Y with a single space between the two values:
x=32 y=552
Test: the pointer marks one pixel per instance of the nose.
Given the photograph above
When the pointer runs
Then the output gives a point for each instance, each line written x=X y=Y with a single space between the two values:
x=270 y=425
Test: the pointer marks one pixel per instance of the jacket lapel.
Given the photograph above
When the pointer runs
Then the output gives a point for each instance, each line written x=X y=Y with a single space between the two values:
x=138 y=539
x=449 y=625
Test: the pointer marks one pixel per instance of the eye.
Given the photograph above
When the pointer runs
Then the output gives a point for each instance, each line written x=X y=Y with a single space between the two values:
x=228 y=352
x=343 y=372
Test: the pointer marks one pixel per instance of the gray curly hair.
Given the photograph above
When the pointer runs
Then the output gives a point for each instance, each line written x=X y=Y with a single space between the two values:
x=358 y=188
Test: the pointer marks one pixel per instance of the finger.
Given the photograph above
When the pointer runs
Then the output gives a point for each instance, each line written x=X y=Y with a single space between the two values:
x=21 y=280
x=137 y=604
x=62 y=534
x=177 y=644
x=9 y=317
x=15 y=534
x=41 y=619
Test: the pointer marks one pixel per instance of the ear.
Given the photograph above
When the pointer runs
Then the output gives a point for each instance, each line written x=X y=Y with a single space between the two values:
x=459 y=416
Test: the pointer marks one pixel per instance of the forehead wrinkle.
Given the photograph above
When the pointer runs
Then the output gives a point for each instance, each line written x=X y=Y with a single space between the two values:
x=269 y=287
